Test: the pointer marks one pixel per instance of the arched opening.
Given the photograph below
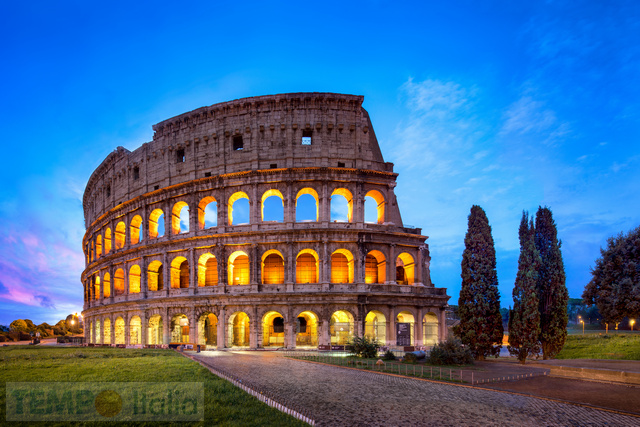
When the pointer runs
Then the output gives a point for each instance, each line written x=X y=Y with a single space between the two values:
x=273 y=330
x=120 y=235
x=375 y=267
x=238 y=208
x=135 y=331
x=207 y=270
x=374 y=207
x=107 y=241
x=134 y=279
x=430 y=329
x=156 y=224
x=405 y=324
x=207 y=213
x=106 y=283
x=118 y=282
x=238 y=330
x=155 y=330
x=272 y=204
x=99 y=246
x=179 y=273
x=135 y=229
x=107 y=331
x=238 y=268
x=307 y=329
x=208 y=329
x=96 y=288
x=307 y=265
x=341 y=266
x=307 y=206
x=180 y=218
x=341 y=327
x=375 y=327
x=272 y=267
x=155 y=276
x=405 y=269
x=341 y=205
x=179 y=329
x=91 y=332
x=118 y=330
x=97 y=331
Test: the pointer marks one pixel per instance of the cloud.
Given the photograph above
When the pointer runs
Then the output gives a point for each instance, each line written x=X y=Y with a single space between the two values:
x=45 y=301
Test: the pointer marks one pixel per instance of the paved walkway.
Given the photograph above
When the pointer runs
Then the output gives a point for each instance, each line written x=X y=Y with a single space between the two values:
x=338 y=396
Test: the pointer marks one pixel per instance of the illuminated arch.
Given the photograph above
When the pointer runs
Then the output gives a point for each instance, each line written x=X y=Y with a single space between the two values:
x=378 y=198
x=134 y=279
x=107 y=241
x=430 y=329
x=180 y=329
x=155 y=330
x=99 y=246
x=155 y=276
x=179 y=273
x=135 y=228
x=106 y=284
x=238 y=329
x=107 y=331
x=407 y=317
x=234 y=198
x=208 y=329
x=341 y=266
x=273 y=193
x=306 y=329
x=239 y=268
x=405 y=269
x=348 y=197
x=307 y=266
x=375 y=267
x=135 y=330
x=155 y=219
x=375 y=326
x=204 y=213
x=179 y=216
x=118 y=282
x=96 y=288
x=313 y=193
x=341 y=327
x=98 y=331
x=120 y=235
x=118 y=330
x=272 y=267
x=207 y=270
x=273 y=329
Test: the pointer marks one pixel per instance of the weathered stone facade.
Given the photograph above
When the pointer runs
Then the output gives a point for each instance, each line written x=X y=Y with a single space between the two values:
x=291 y=282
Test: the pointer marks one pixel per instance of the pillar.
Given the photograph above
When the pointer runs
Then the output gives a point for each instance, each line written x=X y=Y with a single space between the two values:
x=419 y=334
x=222 y=330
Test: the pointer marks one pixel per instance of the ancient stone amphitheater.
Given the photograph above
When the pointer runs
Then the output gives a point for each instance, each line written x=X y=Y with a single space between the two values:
x=261 y=222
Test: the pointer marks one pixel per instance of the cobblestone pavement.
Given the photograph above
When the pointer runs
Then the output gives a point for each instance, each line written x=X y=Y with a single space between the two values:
x=338 y=396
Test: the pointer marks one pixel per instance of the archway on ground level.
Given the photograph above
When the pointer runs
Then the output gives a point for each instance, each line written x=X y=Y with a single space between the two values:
x=207 y=213
x=134 y=279
x=179 y=273
x=374 y=207
x=91 y=333
x=430 y=329
x=135 y=330
x=118 y=282
x=120 y=235
x=341 y=266
x=273 y=329
x=238 y=268
x=207 y=270
x=155 y=276
x=405 y=268
x=135 y=229
x=238 y=209
x=97 y=336
x=238 y=330
x=375 y=326
x=180 y=218
x=118 y=330
x=107 y=331
x=307 y=329
x=375 y=267
x=155 y=330
x=208 y=329
x=307 y=206
x=341 y=205
x=341 y=327
x=156 y=224
x=107 y=241
x=307 y=266
x=407 y=318
x=179 y=329
x=272 y=206
x=272 y=267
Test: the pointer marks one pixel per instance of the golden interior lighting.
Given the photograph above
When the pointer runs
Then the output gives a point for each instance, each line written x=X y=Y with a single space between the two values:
x=134 y=279
x=341 y=266
x=118 y=329
x=155 y=330
x=207 y=270
x=118 y=282
x=179 y=273
x=234 y=198
x=179 y=213
x=272 y=267
x=107 y=285
x=430 y=329
x=202 y=214
x=107 y=331
x=238 y=267
x=155 y=276
x=134 y=229
x=405 y=269
x=239 y=330
x=154 y=219
x=135 y=330
x=307 y=266
x=120 y=235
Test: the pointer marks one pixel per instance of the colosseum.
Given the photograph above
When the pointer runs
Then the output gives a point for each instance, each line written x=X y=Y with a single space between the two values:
x=264 y=222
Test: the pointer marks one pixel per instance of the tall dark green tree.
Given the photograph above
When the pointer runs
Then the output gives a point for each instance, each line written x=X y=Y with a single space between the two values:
x=524 y=319
x=552 y=290
x=479 y=305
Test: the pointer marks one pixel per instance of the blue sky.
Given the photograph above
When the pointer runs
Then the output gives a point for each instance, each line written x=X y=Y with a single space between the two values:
x=502 y=104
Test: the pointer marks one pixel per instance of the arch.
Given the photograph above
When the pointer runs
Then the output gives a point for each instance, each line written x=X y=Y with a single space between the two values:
x=91 y=332
x=273 y=329
x=375 y=326
x=208 y=329
x=274 y=201
x=407 y=317
x=155 y=330
x=107 y=331
x=179 y=273
x=272 y=267
x=304 y=212
x=107 y=240
x=96 y=287
x=118 y=282
x=232 y=200
x=156 y=224
x=238 y=329
x=405 y=268
x=375 y=267
x=374 y=208
x=155 y=276
x=337 y=214
x=238 y=268
x=207 y=213
x=118 y=330
x=120 y=235
x=134 y=279
x=307 y=266
x=106 y=284
x=341 y=266
x=180 y=329
x=341 y=327
x=135 y=229
x=207 y=270
x=180 y=218
x=135 y=330
x=97 y=336
x=307 y=329
x=99 y=246
x=430 y=329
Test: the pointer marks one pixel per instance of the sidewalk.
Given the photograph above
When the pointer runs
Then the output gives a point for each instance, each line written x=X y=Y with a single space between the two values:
x=617 y=371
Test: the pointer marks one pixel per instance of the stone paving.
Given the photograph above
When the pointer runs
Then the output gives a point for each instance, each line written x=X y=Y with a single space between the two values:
x=338 y=396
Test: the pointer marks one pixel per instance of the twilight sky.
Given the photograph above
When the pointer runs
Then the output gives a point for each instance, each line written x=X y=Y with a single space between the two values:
x=503 y=104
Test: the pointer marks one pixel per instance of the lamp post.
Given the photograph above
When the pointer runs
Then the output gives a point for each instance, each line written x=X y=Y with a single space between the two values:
x=632 y=322
x=582 y=321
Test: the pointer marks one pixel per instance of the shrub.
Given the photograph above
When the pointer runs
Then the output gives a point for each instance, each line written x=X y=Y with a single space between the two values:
x=450 y=352
x=363 y=347
x=388 y=355
x=410 y=358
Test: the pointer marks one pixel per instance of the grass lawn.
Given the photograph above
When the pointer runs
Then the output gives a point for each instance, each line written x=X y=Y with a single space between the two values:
x=605 y=346
x=224 y=404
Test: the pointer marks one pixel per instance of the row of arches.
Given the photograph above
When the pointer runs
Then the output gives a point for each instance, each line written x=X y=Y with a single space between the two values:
x=271 y=332
x=238 y=265
x=238 y=210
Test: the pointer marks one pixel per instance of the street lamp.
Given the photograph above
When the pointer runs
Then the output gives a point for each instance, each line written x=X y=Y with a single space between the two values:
x=632 y=322
x=582 y=321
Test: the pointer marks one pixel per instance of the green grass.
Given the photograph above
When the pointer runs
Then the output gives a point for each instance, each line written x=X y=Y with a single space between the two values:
x=225 y=404
x=605 y=346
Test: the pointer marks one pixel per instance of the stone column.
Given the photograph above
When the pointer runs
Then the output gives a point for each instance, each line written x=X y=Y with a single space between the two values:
x=166 y=273
x=127 y=328
x=144 y=326
x=222 y=330
x=323 y=332
x=111 y=289
x=324 y=202
x=289 y=333
x=391 y=265
x=392 y=325
x=125 y=268
x=193 y=338
x=166 y=328
x=102 y=330
x=358 y=206
x=112 y=331
x=193 y=272
x=254 y=265
x=254 y=323
x=289 y=206
x=442 y=325
x=144 y=286
x=419 y=334
x=289 y=265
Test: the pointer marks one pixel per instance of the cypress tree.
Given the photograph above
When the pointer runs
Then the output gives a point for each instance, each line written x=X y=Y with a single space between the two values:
x=524 y=319
x=552 y=290
x=480 y=325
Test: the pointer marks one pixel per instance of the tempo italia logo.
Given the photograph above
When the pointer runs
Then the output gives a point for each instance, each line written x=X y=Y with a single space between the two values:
x=121 y=401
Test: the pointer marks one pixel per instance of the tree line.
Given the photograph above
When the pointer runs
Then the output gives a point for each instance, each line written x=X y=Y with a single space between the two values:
x=24 y=329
